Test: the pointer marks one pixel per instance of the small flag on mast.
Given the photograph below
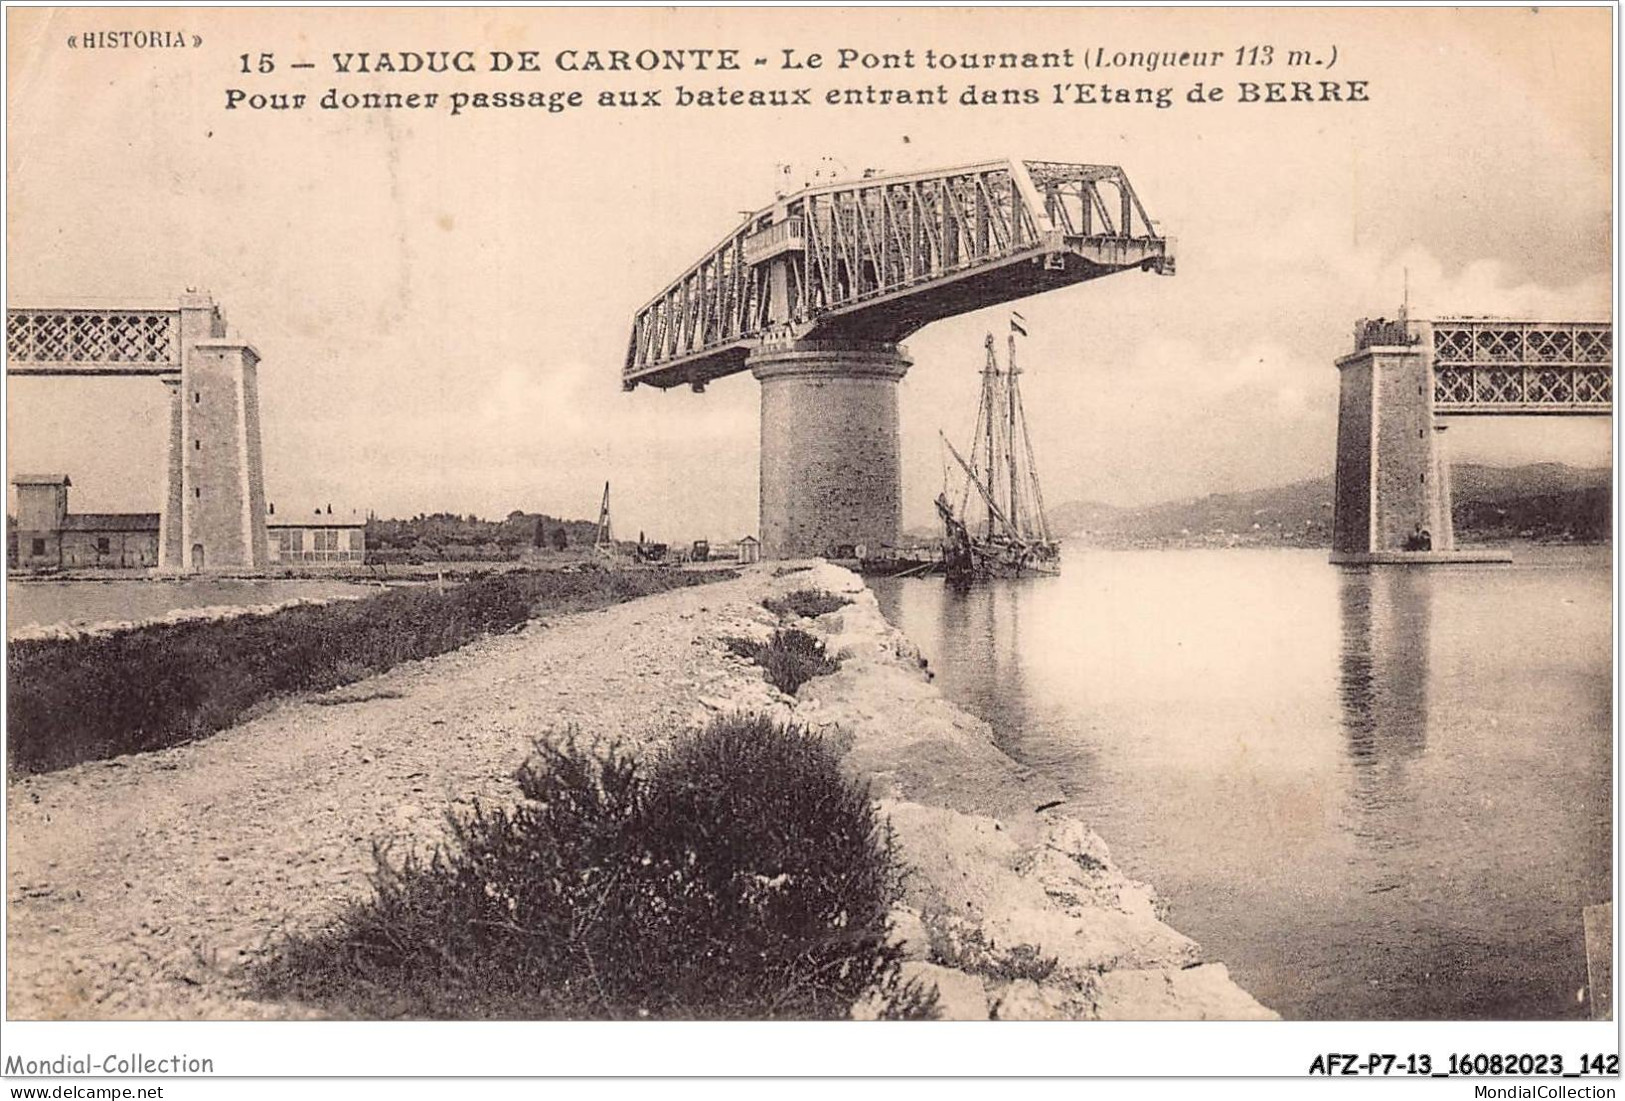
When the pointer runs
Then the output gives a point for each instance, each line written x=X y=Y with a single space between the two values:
x=1018 y=324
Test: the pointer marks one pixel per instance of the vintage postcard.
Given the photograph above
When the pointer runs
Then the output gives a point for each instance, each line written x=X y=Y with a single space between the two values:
x=565 y=517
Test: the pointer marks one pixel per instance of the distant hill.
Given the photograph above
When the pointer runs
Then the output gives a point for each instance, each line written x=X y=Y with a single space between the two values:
x=1541 y=501
x=1544 y=501
x=1087 y=516
x=1297 y=513
x=1535 y=479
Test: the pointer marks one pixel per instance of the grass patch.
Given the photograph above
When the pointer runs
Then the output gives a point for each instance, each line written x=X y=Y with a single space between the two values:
x=86 y=699
x=740 y=877
x=965 y=947
x=789 y=659
x=811 y=603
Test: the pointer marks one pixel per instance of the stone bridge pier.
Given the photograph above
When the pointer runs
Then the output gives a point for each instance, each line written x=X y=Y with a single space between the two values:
x=831 y=462
x=1392 y=484
x=214 y=494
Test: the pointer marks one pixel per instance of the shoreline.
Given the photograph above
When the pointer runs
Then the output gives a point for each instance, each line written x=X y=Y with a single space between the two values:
x=1012 y=911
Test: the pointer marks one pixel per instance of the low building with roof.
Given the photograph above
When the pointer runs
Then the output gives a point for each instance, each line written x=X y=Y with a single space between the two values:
x=51 y=537
x=321 y=539
x=113 y=540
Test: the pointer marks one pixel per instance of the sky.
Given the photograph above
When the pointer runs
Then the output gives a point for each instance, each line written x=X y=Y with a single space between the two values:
x=442 y=303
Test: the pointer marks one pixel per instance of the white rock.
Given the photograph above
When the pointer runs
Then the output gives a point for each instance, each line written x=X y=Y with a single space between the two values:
x=960 y=997
x=1025 y=1000
x=1204 y=993
x=909 y=933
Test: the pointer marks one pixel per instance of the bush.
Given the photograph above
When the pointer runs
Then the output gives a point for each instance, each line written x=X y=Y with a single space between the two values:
x=958 y=944
x=811 y=603
x=742 y=877
x=474 y=552
x=789 y=659
x=84 y=699
x=400 y=556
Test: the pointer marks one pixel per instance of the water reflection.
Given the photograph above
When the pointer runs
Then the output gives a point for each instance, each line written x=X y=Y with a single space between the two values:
x=984 y=624
x=1387 y=617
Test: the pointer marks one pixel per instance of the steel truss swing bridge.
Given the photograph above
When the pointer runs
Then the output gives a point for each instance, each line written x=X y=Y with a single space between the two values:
x=876 y=259
x=813 y=293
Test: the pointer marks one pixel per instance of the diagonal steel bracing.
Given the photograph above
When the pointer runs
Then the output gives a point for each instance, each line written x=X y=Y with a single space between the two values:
x=879 y=258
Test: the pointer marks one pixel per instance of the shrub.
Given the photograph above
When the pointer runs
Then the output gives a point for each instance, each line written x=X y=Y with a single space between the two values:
x=811 y=603
x=789 y=659
x=740 y=877
x=84 y=699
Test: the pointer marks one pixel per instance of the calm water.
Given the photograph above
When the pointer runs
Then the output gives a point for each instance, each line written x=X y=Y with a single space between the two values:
x=1375 y=793
x=34 y=603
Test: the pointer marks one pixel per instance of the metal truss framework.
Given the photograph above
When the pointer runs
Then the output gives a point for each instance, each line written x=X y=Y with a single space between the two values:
x=93 y=342
x=881 y=257
x=1499 y=367
x=1502 y=367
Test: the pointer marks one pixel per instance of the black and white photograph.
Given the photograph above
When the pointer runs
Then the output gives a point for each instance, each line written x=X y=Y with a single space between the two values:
x=1075 y=541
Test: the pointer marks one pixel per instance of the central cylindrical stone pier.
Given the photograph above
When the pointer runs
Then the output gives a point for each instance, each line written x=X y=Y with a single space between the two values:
x=831 y=460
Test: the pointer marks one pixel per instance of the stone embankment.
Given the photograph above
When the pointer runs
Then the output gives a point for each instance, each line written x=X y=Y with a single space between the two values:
x=140 y=887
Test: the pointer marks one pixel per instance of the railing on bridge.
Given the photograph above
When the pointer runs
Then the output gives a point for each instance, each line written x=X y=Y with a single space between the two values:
x=1496 y=366
x=93 y=341
x=842 y=252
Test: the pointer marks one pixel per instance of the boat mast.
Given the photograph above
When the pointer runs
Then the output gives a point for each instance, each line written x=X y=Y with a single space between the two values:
x=1009 y=449
x=972 y=480
x=1032 y=475
x=990 y=405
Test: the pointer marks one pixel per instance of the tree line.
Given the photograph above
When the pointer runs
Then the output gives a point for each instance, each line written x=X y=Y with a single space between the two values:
x=449 y=535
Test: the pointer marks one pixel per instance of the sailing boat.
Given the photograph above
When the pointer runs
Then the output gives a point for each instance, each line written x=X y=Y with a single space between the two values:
x=1014 y=540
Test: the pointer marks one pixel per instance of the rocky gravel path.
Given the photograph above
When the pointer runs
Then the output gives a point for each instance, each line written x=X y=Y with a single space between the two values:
x=138 y=887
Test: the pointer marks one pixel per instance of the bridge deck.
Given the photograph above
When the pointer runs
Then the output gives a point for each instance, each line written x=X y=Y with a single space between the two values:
x=1496 y=366
x=79 y=341
x=1499 y=367
x=877 y=259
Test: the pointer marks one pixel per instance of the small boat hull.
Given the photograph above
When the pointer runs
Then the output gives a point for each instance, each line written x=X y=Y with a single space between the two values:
x=1001 y=561
x=966 y=558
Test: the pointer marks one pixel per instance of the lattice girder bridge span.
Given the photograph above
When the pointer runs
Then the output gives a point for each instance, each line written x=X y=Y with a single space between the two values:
x=813 y=293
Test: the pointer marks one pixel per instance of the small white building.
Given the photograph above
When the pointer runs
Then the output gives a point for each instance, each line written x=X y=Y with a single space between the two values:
x=321 y=539
x=750 y=550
